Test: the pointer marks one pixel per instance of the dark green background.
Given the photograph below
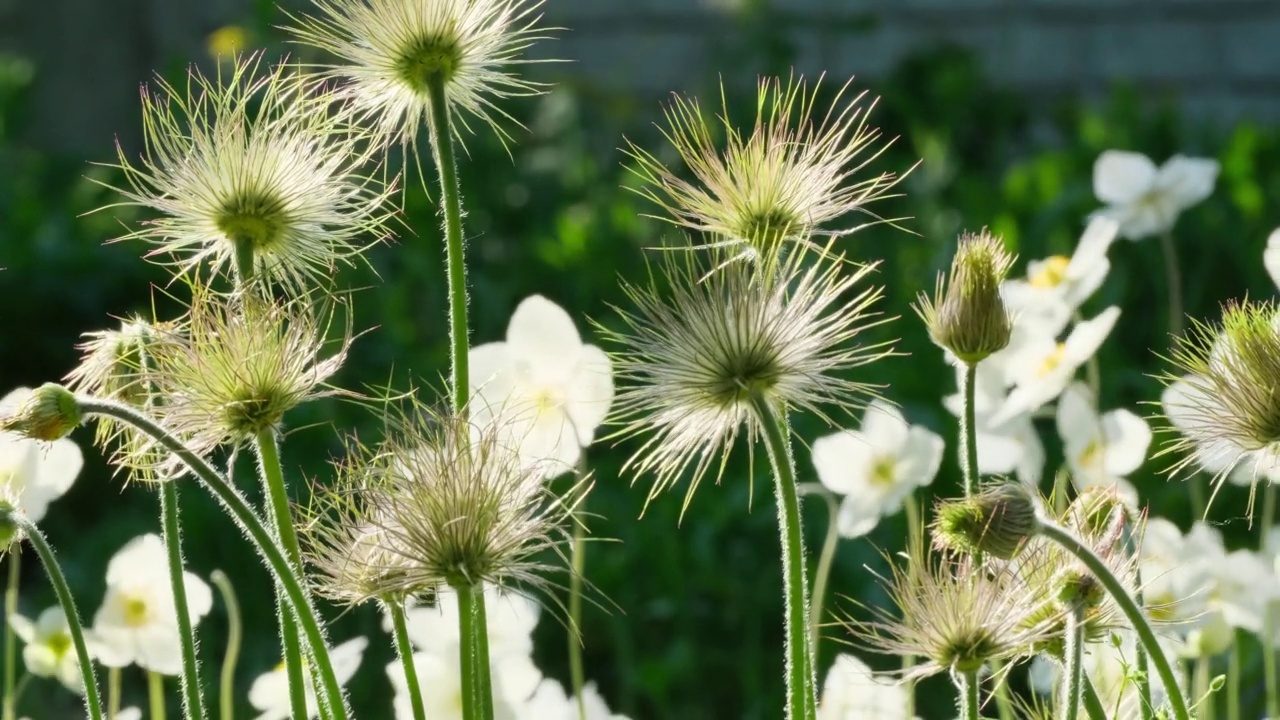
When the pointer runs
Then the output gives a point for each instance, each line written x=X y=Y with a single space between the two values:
x=697 y=632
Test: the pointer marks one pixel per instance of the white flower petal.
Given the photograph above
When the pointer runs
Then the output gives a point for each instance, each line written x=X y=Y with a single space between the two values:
x=883 y=427
x=1271 y=256
x=590 y=393
x=920 y=457
x=23 y=628
x=1127 y=438
x=543 y=335
x=1187 y=181
x=844 y=461
x=856 y=518
x=1121 y=176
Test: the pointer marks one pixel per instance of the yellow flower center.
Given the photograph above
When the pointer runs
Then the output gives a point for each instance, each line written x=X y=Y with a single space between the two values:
x=546 y=400
x=1053 y=360
x=1051 y=272
x=59 y=643
x=1091 y=456
x=137 y=612
x=882 y=471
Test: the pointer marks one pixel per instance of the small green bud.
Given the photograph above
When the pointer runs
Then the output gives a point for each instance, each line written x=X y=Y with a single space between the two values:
x=967 y=315
x=1078 y=588
x=50 y=413
x=10 y=533
x=997 y=521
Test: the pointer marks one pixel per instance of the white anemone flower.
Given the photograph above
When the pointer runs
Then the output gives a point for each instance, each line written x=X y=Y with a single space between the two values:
x=1057 y=286
x=137 y=622
x=1271 y=256
x=550 y=702
x=876 y=467
x=269 y=694
x=1179 y=574
x=852 y=692
x=1043 y=367
x=1101 y=449
x=511 y=620
x=1146 y=200
x=34 y=473
x=49 y=651
x=553 y=389
x=1245 y=584
x=1009 y=446
x=1110 y=666
x=515 y=679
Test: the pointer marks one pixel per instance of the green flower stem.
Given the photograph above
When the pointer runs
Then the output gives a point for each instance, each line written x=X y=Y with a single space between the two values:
x=578 y=563
x=401 y=633
x=915 y=536
x=192 y=699
x=1127 y=605
x=1092 y=703
x=247 y=519
x=1072 y=688
x=823 y=572
x=1146 y=705
x=441 y=130
x=282 y=522
x=801 y=694
x=1173 y=277
x=92 y=701
x=484 y=683
x=113 y=693
x=244 y=262
x=969 y=429
x=10 y=639
x=23 y=682
x=1268 y=622
x=471 y=706
x=155 y=691
x=1204 y=699
x=967 y=683
x=1233 y=677
x=235 y=632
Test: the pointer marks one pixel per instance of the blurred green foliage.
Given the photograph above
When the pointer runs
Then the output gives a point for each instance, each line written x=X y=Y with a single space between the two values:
x=688 y=618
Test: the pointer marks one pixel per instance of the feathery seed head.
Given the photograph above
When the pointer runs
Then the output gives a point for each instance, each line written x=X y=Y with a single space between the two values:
x=776 y=184
x=1099 y=512
x=253 y=163
x=442 y=502
x=996 y=521
x=50 y=413
x=243 y=362
x=694 y=361
x=967 y=314
x=393 y=50
x=1232 y=373
x=955 y=614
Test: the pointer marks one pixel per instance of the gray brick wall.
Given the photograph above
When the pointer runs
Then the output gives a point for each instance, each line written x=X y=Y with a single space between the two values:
x=1220 y=57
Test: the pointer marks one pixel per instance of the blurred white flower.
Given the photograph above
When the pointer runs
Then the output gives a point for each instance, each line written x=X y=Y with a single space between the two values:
x=1144 y=199
x=1042 y=367
x=34 y=473
x=1180 y=574
x=550 y=702
x=852 y=692
x=514 y=678
x=1271 y=256
x=137 y=622
x=555 y=389
x=1244 y=585
x=1111 y=666
x=1056 y=286
x=269 y=693
x=876 y=467
x=511 y=620
x=49 y=651
x=1100 y=449
x=1011 y=446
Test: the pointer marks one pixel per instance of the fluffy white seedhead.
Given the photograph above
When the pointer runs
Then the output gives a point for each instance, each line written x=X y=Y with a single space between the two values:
x=694 y=361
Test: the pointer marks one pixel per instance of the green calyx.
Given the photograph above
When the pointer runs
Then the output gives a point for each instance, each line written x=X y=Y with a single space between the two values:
x=429 y=59
x=253 y=219
x=997 y=521
x=50 y=413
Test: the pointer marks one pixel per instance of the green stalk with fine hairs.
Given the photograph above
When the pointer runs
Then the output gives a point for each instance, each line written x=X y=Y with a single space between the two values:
x=282 y=523
x=915 y=536
x=1074 y=675
x=967 y=683
x=10 y=638
x=401 y=632
x=577 y=564
x=826 y=558
x=235 y=632
x=1092 y=703
x=441 y=129
x=1268 y=622
x=801 y=686
x=472 y=708
x=1132 y=611
x=92 y=700
x=155 y=691
x=192 y=698
x=484 y=683
x=969 y=429
x=244 y=516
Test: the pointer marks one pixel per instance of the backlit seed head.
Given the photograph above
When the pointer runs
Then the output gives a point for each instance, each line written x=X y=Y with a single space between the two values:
x=50 y=413
x=699 y=355
x=998 y=520
x=967 y=314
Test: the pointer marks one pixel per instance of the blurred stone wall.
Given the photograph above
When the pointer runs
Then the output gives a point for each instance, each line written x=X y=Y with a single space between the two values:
x=1220 y=57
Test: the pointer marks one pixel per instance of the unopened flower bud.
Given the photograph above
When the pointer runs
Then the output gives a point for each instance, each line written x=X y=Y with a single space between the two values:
x=967 y=315
x=1079 y=589
x=1099 y=512
x=997 y=521
x=50 y=413
x=10 y=532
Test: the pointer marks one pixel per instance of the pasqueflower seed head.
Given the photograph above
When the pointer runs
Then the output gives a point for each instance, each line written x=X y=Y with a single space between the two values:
x=699 y=361
x=243 y=362
x=1229 y=405
x=254 y=162
x=780 y=182
x=454 y=506
x=967 y=314
x=954 y=613
x=391 y=51
x=997 y=521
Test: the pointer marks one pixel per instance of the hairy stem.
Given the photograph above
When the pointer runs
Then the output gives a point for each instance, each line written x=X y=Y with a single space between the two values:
x=1268 y=619
x=235 y=632
x=1127 y=605
x=1074 y=675
x=823 y=572
x=1092 y=703
x=92 y=700
x=401 y=632
x=967 y=683
x=1145 y=704
x=472 y=708
x=441 y=129
x=578 y=563
x=192 y=698
x=969 y=429
x=10 y=638
x=801 y=694
x=244 y=516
